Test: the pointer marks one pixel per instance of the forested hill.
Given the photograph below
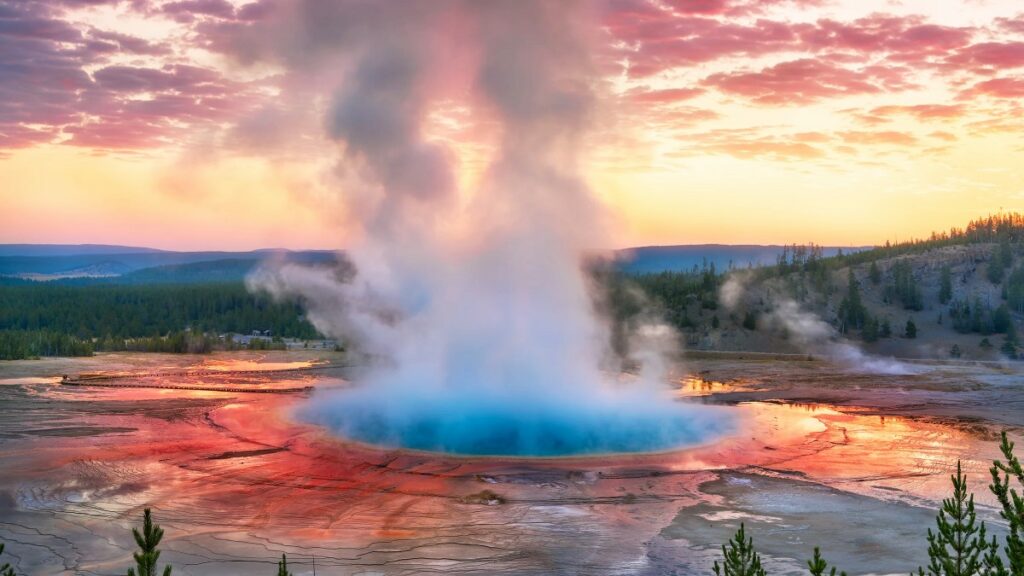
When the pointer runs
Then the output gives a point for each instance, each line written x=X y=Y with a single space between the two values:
x=38 y=319
x=954 y=294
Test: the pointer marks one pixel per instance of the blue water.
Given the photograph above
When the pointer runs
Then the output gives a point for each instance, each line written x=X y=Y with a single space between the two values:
x=506 y=426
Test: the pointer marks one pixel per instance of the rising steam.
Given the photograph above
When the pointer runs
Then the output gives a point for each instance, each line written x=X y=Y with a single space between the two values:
x=477 y=302
x=810 y=333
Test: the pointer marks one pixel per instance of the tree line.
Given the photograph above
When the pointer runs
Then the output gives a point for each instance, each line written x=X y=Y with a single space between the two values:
x=52 y=320
x=1008 y=228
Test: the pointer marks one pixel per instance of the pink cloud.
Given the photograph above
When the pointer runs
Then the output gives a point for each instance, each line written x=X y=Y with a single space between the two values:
x=803 y=81
x=187 y=10
x=57 y=76
x=942 y=135
x=665 y=96
x=749 y=143
x=1012 y=25
x=997 y=88
x=655 y=40
x=46 y=92
x=885 y=137
x=993 y=55
x=128 y=44
x=694 y=32
x=698 y=6
x=903 y=37
x=922 y=111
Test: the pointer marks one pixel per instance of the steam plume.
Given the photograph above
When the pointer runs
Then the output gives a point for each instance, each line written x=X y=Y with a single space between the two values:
x=481 y=307
x=810 y=333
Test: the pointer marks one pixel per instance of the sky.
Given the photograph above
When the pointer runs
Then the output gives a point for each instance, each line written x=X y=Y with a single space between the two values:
x=205 y=124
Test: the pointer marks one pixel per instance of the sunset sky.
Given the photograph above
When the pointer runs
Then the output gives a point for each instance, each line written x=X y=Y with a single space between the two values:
x=177 y=125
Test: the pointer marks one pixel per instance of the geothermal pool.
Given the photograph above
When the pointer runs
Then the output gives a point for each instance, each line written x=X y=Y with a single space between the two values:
x=815 y=454
x=510 y=425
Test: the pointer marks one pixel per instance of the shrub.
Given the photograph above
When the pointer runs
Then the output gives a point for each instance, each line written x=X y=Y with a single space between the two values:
x=1011 y=502
x=147 y=540
x=5 y=568
x=911 y=329
x=282 y=567
x=958 y=547
x=739 y=557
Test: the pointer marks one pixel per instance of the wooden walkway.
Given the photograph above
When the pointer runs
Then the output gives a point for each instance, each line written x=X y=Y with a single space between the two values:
x=205 y=372
x=116 y=380
x=233 y=389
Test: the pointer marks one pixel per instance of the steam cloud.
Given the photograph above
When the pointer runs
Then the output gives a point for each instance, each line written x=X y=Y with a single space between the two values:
x=480 y=306
x=812 y=334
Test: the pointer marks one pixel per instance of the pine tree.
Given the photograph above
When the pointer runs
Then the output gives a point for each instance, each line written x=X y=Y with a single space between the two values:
x=994 y=272
x=750 y=321
x=1005 y=253
x=5 y=568
x=282 y=567
x=874 y=273
x=871 y=330
x=852 y=312
x=739 y=557
x=1002 y=258
x=817 y=565
x=1009 y=347
x=911 y=329
x=946 y=285
x=960 y=546
x=886 y=329
x=147 y=540
x=1012 y=504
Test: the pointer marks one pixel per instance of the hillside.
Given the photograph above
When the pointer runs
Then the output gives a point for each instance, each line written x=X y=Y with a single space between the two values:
x=936 y=330
x=963 y=292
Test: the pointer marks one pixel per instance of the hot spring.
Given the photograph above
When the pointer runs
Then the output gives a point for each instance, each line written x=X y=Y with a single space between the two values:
x=478 y=301
x=495 y=424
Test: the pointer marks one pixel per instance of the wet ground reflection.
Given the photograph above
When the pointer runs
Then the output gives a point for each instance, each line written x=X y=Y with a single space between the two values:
x=236 y=479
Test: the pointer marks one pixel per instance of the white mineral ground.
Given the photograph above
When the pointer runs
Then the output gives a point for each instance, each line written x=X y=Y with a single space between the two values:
x=855 y=463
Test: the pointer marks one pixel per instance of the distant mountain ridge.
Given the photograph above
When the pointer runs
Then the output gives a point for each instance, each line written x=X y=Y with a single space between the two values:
x=139 y=265
x=87 y=263
x=70 y=249
x=680 y=258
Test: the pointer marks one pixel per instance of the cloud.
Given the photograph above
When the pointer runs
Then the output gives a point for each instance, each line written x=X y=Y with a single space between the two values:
x=754 y=143
x=654 y=40
x=942 y=135
x=922 y=111
x=653 y=45
x=804 y=81
x=1011 y=87
x=989 y=57
x=903 y=38
x=1013 y=25
x=128 y=44
x=55 y=85
x=187 y=10
x=64 y=80
x=884 y=137
x=663 y=96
